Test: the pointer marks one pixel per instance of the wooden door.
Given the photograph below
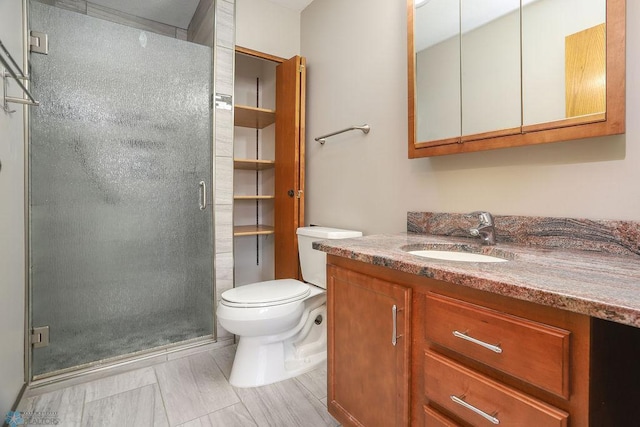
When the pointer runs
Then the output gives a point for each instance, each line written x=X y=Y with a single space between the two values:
x=368 y=376
x=586 y=72
x=289 y=167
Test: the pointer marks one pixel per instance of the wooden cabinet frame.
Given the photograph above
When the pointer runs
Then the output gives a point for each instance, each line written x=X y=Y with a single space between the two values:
x=602 y=367
x=613 y=121
x=288 y=196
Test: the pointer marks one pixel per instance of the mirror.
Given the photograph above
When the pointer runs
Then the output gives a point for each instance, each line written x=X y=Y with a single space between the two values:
x=437 y=41
x=564 y=70
x=490 y=57
x=486 y=74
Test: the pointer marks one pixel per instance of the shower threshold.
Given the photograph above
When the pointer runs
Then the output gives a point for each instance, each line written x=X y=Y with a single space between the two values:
x=111 y=342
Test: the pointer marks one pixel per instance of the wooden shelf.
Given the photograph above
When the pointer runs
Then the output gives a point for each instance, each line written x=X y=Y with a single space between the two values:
x=252 y=230
x=253 y=117
x=254 y=197
x=252 y=164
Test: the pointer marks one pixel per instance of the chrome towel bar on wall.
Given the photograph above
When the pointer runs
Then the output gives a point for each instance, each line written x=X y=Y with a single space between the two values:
x=364 y=128
x=5 y=58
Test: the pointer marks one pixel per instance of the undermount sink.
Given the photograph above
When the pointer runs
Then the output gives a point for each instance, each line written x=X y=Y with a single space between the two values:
x=456 y=256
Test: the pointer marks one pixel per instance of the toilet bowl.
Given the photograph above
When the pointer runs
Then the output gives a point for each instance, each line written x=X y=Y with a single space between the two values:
x=281 y=324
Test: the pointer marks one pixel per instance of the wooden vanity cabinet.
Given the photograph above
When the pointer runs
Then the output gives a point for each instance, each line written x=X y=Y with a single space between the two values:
x=369 y=334
x=521 y=363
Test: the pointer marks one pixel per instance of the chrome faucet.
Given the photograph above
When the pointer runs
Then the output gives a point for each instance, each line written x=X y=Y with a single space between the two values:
x=485 y=230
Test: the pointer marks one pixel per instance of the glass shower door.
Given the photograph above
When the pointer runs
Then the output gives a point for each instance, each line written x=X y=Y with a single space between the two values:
x=121 y=243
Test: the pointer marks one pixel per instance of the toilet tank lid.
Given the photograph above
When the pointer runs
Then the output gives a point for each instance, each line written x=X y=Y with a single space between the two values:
x=328 y=233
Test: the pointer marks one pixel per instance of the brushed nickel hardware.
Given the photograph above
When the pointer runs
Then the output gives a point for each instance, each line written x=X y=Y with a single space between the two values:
x=17 y=75
x=464 y=336
x=394 y=332
x=364 y=128
x=461 y=402
x=486 y=229
x=39 y=42
x=40 y=337
x=203 y=195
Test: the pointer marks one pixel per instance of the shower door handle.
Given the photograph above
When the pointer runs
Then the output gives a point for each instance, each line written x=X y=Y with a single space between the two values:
x=203 y=195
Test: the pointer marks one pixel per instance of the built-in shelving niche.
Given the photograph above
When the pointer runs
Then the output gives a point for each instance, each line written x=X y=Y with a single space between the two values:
x=254 y=164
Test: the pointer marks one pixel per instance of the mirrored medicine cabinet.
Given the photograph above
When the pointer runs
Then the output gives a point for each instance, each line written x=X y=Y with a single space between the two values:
x=487 y=74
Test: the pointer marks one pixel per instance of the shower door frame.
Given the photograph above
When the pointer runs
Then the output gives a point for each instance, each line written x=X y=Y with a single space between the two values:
x=140 y=358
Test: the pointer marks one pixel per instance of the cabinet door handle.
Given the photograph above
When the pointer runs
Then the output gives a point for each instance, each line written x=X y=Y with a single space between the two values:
x=203 y=195
x=472 y=408
x=464 y=336
x=394 y=332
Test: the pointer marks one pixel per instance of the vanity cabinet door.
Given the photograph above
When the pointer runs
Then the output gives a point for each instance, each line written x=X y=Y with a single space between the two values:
x=368 y=349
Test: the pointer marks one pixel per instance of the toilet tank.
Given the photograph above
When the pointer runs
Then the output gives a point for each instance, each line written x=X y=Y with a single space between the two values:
x=313 y=263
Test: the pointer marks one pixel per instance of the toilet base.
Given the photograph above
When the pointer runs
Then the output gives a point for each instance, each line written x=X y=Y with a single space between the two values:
x=268 y=359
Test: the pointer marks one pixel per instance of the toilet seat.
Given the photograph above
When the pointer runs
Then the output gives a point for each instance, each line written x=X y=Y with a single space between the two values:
x=266 y=294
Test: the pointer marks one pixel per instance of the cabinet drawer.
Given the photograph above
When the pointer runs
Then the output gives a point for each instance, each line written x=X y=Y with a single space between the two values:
x=482 y=401
x=531 y=351
x=433 y=418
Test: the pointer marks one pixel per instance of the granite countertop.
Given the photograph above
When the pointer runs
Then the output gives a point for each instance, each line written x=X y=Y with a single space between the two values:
x=597 y=284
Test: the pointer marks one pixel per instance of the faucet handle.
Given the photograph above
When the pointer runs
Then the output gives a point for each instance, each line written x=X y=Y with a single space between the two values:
x=485 y=217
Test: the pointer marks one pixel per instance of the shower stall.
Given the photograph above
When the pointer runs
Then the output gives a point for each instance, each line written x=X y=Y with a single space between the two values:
x=121 y=243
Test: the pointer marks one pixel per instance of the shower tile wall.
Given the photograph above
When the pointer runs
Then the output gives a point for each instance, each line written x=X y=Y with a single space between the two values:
x=199 y=32
x=224 y=54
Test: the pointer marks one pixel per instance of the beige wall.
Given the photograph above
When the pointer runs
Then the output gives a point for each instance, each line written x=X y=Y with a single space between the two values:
x=12 y=268
x=267 y=27
x=357 y=74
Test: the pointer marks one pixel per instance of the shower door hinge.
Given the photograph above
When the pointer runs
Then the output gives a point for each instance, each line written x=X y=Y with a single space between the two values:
x=39 y=42
x=40 y=337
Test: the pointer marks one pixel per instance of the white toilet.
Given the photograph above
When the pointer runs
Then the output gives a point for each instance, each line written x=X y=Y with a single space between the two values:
x=281 y=323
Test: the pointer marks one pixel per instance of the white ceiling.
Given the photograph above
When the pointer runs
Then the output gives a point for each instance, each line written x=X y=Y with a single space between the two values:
x=177 y=13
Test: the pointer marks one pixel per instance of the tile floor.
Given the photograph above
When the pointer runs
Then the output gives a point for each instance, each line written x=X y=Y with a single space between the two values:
x=192 y=391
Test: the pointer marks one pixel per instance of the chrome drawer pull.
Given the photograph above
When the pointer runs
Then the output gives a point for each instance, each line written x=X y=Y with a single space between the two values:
x=394 y=316
x=466 y=337
x=472 y=408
